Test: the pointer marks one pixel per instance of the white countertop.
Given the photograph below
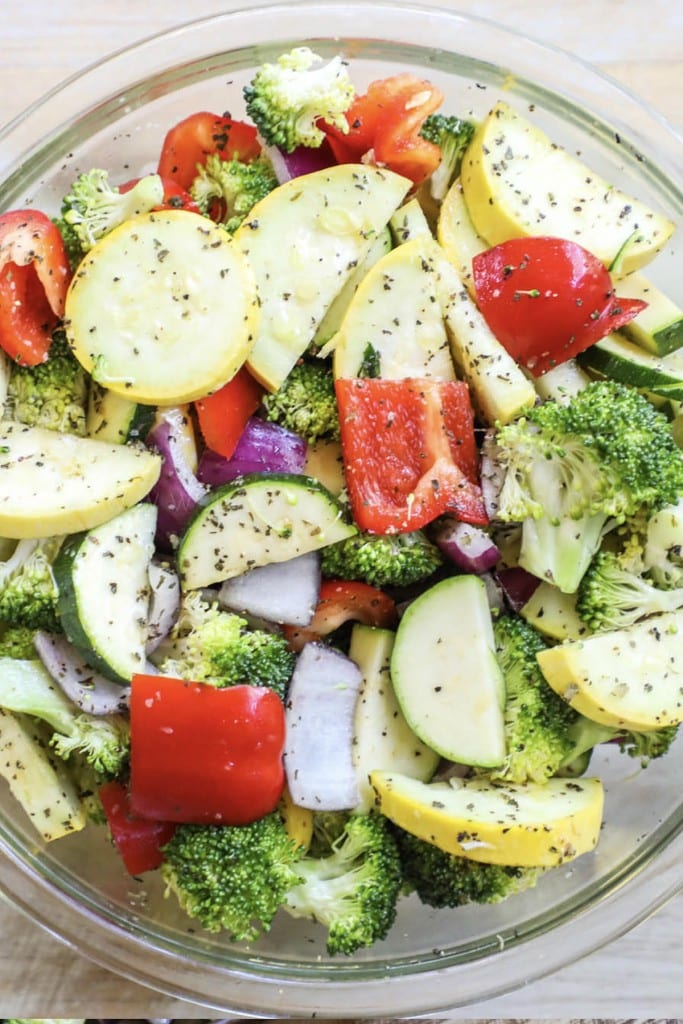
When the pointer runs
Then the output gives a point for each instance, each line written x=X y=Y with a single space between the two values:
x=640 y=42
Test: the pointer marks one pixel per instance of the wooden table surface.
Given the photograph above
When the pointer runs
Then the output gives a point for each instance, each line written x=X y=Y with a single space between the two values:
x=639 y=42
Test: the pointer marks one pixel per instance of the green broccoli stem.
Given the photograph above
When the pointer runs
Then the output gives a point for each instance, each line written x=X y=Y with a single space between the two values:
x=560 y=552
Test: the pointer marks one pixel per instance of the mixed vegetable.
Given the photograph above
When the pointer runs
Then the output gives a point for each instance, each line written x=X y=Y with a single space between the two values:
x=341 y=505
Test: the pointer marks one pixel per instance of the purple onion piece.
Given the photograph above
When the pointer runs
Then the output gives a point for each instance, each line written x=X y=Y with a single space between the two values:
x=177 y=491
x=90 y=691
x=321 y=701
x=263 y=448
x=278 y=592
x=468 y=547
x=164 y=604
x=492 y=475
x=518 y=586
x=302 y=160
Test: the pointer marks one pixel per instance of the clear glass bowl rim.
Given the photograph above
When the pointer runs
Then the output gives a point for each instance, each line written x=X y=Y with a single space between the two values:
x=418 y=988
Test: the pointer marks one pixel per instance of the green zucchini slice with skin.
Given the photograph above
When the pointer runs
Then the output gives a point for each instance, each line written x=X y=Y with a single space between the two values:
x=258 y=519
x=659 y=328
x=382 y=739
x=103 y=581
x=445 y=673
x=117 y=419
x=619 y=359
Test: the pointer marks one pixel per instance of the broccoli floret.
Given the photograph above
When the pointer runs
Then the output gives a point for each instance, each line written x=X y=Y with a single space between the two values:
x=231 y=188
x=328 y=827
x=536 y=718
x=210 y=645
x=613 y=596
x=574 y=470
x=287 y=98
x=647 y=746
x=585 y=735
x=663 y=546
x=27 y=688
x=232 y=877
x=72 y=243
x=28 y=591
x=52 y=394
x=16 y=642
x=452 y=135
x=381 y=560
x=94 y=207
x=305 y=402
x=354 y=890
x=442 y=879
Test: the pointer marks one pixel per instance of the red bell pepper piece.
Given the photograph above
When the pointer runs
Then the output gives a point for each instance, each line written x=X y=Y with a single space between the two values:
x=194 y=138
x=340 y=601
x=223 y=415
x=34 y=278
x=202 y=754
x=139 y=841
x=409 y=452
x=547 y=299
x=386 y=122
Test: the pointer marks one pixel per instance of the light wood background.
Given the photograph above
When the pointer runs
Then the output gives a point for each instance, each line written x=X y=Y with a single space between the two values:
x=639 y=42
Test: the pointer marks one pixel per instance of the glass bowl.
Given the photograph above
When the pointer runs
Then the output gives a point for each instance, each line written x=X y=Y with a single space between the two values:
x=115 y=116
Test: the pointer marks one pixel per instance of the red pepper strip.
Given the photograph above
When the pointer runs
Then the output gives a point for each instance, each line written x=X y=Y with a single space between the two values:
x=175 y=197
x=547 y=299
x=409 y=452
x=139 y=841
x=340 y=601
x=223 y=415
x=194 y=138
x=34 y=278
x=385 y=123
x=202 y=754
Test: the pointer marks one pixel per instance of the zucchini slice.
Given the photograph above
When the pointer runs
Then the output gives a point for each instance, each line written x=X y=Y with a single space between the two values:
x=521 y=826
x=163 y=309
x=517 y=183
x=304 y=240
x=55 y=484
x=659 y=328
x=622 y=360
x=629 y=678
x=382 y=739
x=500 y=389
x=104 y=591
x=457 y=236
x=116 y=419
x=37 y=778
x=397 y=310
x=445 y=673
x=255 y=520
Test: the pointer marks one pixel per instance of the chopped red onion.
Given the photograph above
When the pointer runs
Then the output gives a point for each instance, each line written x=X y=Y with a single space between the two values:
x=518 y=586
x=320 y=707
x=302 y=160
x=282 y=592
x=92 y=692
x=178 y=491
x=492 y=475
x=164 y=604
x=467 y=546
x=263 y=448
